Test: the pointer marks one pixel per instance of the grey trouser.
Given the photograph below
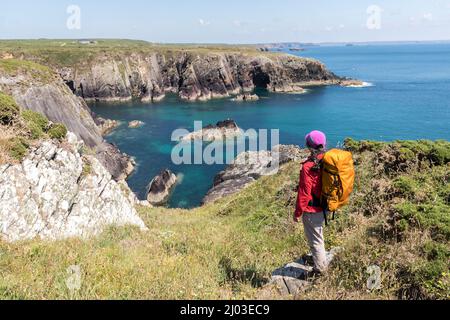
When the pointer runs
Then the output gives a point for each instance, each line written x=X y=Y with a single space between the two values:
x=313 y=223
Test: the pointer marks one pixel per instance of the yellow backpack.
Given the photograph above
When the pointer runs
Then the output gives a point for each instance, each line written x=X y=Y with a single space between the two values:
x=338 y=177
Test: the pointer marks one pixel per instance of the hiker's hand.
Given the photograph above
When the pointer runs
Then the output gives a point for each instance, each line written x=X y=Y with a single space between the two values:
x=296 y=219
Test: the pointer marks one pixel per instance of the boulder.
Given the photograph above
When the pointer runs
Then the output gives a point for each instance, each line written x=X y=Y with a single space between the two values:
x=160 y=188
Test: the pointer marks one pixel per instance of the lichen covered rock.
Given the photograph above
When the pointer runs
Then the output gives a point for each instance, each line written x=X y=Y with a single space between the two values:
x=57 y=193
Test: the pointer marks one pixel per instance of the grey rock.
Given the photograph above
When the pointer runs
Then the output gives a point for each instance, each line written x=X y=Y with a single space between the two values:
x=249 y=167
x=223 y=130
x=293 y=278
x=50 y=195
x=160 y=188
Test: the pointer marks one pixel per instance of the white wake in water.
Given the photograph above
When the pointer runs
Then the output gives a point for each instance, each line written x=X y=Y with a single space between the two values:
x=363 y=85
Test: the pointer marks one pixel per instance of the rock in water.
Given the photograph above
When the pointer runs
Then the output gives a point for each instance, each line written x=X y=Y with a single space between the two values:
x=160 y=188
x=223 y=130
x=249 y=167
x=56 y=193
x=106 y=126
x=135 y=124
x=246 y=98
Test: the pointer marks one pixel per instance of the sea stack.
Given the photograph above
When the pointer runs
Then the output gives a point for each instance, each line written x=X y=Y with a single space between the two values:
x=223 y=130
x=160 y=188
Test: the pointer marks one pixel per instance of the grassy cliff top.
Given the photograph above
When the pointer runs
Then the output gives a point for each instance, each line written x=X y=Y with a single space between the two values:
x=398 y=220
x=69 y=52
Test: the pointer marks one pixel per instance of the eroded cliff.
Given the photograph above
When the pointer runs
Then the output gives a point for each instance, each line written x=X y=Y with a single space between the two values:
x=38 y=88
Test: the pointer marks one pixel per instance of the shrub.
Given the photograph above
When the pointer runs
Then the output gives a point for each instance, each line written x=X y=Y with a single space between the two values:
x=57 y=131
x=37 y=123
x=18 y=148
x=9 y=110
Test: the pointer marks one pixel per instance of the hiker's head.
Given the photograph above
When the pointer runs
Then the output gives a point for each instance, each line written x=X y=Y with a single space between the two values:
x=316 y=141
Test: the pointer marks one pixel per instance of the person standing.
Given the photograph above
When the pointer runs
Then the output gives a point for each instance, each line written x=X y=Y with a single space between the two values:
x=309 y=205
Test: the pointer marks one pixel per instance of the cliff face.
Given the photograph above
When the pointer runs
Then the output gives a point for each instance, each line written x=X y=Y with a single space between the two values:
x=37 y=88
x=194 y=76
x=57 y=193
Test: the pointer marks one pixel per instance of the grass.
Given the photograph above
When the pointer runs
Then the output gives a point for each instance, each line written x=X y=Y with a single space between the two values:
x=228 y=249
x=21 y=129
x=14 y=67
x=67 y=53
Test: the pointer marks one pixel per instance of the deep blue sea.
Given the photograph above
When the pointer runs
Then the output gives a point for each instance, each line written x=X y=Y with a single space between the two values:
x=409 y=98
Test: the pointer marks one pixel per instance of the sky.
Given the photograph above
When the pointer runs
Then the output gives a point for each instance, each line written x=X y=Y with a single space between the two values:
x=228 y=21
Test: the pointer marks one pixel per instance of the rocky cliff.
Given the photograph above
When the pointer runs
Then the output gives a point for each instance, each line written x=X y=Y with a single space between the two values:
x=194 y=76
x=56 y=193
x=38 y=88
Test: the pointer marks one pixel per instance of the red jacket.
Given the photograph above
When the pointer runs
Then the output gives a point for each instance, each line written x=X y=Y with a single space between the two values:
x=310 y=189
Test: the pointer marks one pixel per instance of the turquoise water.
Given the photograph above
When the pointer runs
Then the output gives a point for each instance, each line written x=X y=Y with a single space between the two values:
x=409 y=99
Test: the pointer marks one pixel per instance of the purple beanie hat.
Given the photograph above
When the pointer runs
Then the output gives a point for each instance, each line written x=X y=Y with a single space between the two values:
x=316 y=139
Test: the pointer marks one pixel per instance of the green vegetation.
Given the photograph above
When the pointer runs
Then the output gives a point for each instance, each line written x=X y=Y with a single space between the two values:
x=36 y=123
x=18 y=147
x=9 y=110
x=57 y=131
x=60 y=53
x=15 y=67
x=397 y=220
x=21 y=129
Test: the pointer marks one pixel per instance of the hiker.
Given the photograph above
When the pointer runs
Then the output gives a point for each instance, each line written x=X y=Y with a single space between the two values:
x=309 y=203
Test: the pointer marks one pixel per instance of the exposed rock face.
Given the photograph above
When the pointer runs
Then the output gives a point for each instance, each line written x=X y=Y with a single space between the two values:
x=47 y=93
x=249 y=167
x=194 y=76
x=160 y=188
x=56 y=193
x=222 y=130
x=246 y=98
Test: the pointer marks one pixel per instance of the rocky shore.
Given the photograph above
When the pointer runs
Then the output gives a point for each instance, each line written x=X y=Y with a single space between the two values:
x=249 y=167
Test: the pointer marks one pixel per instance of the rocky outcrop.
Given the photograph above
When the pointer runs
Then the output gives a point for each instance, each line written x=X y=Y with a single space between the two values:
x=135 y=124
x=57 y=193
x=223 y=130
x=106 y=126
x=160 y=188
x=247 y=97
x=249 y=167
x=193 y=75
x=37 y=88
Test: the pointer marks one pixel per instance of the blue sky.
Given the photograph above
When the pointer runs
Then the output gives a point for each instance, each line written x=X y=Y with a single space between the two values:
x=229 y=21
